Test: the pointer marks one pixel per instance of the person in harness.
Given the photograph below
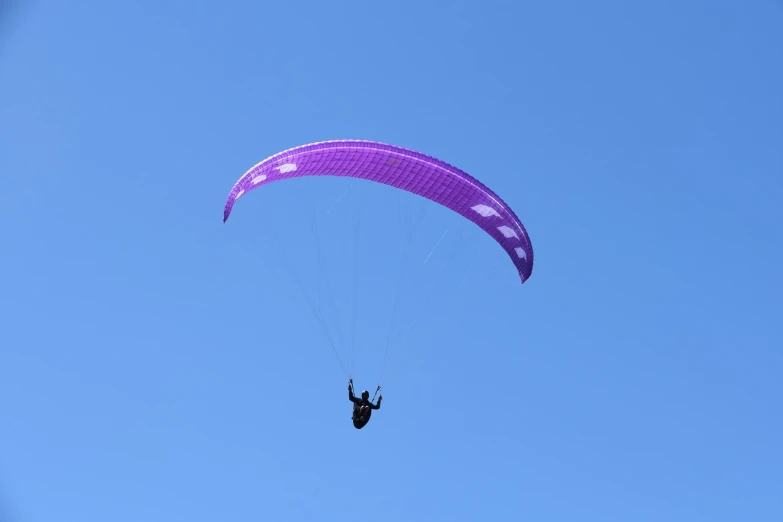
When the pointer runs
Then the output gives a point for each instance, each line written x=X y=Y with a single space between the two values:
x=362 y=408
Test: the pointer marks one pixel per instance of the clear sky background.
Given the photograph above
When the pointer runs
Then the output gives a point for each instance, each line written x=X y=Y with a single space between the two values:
x=159 y=365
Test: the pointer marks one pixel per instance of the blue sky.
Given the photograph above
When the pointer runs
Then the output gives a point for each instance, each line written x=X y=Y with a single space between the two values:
x=159 y=365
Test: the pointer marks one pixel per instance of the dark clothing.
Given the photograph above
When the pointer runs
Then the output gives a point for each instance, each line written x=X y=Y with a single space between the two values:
x=362 y=410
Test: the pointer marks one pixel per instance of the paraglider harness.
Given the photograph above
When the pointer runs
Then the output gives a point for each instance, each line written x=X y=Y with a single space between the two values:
x=358 y=422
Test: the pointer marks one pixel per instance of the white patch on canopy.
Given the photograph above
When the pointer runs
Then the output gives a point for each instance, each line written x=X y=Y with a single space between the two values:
x=288 y=167
x=508 y=231
x=485 y=210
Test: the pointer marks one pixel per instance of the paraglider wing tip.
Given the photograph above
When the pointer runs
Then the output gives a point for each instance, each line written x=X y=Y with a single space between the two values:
x=526 y=276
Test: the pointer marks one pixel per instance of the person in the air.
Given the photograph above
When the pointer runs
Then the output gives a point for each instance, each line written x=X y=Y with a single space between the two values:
x=362 y=408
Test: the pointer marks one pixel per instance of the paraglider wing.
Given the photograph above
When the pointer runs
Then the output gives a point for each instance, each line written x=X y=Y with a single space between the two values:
x=403 y=169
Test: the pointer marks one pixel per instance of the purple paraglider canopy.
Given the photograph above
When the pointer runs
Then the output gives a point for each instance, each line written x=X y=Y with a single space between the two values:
x=404 y=169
